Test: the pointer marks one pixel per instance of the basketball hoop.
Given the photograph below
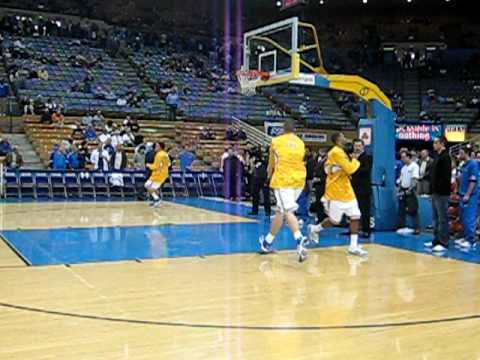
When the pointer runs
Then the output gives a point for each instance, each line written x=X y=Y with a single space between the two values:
x=249 y=80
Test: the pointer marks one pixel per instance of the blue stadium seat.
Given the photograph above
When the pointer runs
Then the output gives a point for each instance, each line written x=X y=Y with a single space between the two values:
x=42 y=185
x=57 y=183
x=205 y=184
x=27 y=185
x=178 y=183
x=72 y=185
x=12 y=188
x=168 y=189
x=87 y=188
x=129 y=188
x=218 y=184
x=191 y=184
x=102 y=187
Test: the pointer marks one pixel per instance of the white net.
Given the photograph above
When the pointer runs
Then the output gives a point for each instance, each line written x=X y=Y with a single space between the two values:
x=249 y=80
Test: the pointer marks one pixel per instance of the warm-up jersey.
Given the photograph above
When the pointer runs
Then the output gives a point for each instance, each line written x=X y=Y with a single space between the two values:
x=339 y=168
x=287 y=153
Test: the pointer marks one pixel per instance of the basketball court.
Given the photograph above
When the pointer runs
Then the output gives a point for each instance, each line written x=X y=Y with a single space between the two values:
x=122 y=281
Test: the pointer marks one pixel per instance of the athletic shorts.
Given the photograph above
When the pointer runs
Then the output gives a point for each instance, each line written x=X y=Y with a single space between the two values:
x=287 y=199
x=336 y=209
x=153 y=185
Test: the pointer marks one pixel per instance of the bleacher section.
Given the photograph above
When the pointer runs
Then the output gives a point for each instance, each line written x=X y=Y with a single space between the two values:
x=175 y=135
x=112 y=78
x=204 y=103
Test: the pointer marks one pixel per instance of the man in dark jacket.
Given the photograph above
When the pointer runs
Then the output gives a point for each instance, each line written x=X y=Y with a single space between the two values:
x=260 y=182
x=440 y=180
x=362 y=185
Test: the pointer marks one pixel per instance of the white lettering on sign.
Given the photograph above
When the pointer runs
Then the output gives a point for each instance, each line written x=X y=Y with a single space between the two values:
x=304 y=79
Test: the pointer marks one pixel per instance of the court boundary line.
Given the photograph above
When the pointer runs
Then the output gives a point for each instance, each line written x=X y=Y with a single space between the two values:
x=16 y=252
x=240 y=327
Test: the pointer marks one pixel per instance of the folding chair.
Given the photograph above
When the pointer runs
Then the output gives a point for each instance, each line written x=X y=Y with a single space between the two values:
x=72 y=185
x=57 y=184
x=42 y=185
x=27 y=185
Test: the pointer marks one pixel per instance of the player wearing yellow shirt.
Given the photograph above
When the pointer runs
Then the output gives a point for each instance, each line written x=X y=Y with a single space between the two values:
x=339 y=198
x=159 y=173
x=286 y=169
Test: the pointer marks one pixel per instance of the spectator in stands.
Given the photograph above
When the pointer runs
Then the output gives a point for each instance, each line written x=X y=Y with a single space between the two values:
x=98 y=120
x=230 y=134
x=116 y=138
x=73 y=158
x=104 y=136
x=5 y=147
x=186 y=159
x=50 y=105
x=83 y=154
x=58 y=118
x=241 y=135
x=46 y=117
x=60 y=161
x=87 y=119
x=425 y=165
x=118 y=160
x=207 y=133
x=90 y=133
x=14 y=160
x=172 y=103
x=109 y=127
x=100 y=158
x=77 y=133
x=109 y=146
x=134 y=125
x=128 y=139
x=139 y=157
x=27 y=103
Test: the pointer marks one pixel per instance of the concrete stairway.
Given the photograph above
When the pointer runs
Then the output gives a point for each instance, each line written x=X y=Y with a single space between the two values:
x=30 y=157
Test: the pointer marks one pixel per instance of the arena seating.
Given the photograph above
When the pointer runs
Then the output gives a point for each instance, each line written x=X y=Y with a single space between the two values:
x=175 y=135
x=112 y=77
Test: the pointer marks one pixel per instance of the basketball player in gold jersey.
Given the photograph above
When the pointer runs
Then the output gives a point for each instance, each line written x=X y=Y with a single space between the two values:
x=339 y=198
x=286 y=169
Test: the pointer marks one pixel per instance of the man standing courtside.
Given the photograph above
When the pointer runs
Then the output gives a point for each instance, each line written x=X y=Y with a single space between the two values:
x=159 y=173
x=362 y=185
x=339 y=196
x=440 y=181
x=468 y=192
x=286 y=169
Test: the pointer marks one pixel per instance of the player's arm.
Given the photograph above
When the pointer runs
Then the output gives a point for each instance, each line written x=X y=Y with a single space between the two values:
x=349 y=166
x=271 y=163
x=156 y=163
x=472 y=182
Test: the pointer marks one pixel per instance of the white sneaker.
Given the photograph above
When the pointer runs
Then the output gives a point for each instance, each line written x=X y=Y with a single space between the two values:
x=312 y=234
x=301 y=250
x=439 y=248
x=466 y=244
x=459 y=241
x=403 y=230
x=428 y=244
x=157 y=204
x=357 y=251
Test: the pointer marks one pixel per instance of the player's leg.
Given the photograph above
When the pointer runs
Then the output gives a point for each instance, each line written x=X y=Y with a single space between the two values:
x=289 y=197
x=353 y=212
x=152 y=189
x=275 y=226
x=334 y=212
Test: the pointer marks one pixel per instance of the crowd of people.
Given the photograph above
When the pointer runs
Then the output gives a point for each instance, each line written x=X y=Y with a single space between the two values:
x=13 y=158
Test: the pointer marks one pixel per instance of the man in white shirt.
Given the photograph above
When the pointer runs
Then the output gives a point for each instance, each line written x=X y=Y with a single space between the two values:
x=100 y=158
x=408 y=203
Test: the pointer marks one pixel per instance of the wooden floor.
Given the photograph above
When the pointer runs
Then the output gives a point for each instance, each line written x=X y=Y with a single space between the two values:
x=191 y=307
x=46 y=215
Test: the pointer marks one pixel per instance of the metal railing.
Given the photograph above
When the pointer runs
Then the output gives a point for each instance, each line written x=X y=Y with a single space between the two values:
x=254 y=135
